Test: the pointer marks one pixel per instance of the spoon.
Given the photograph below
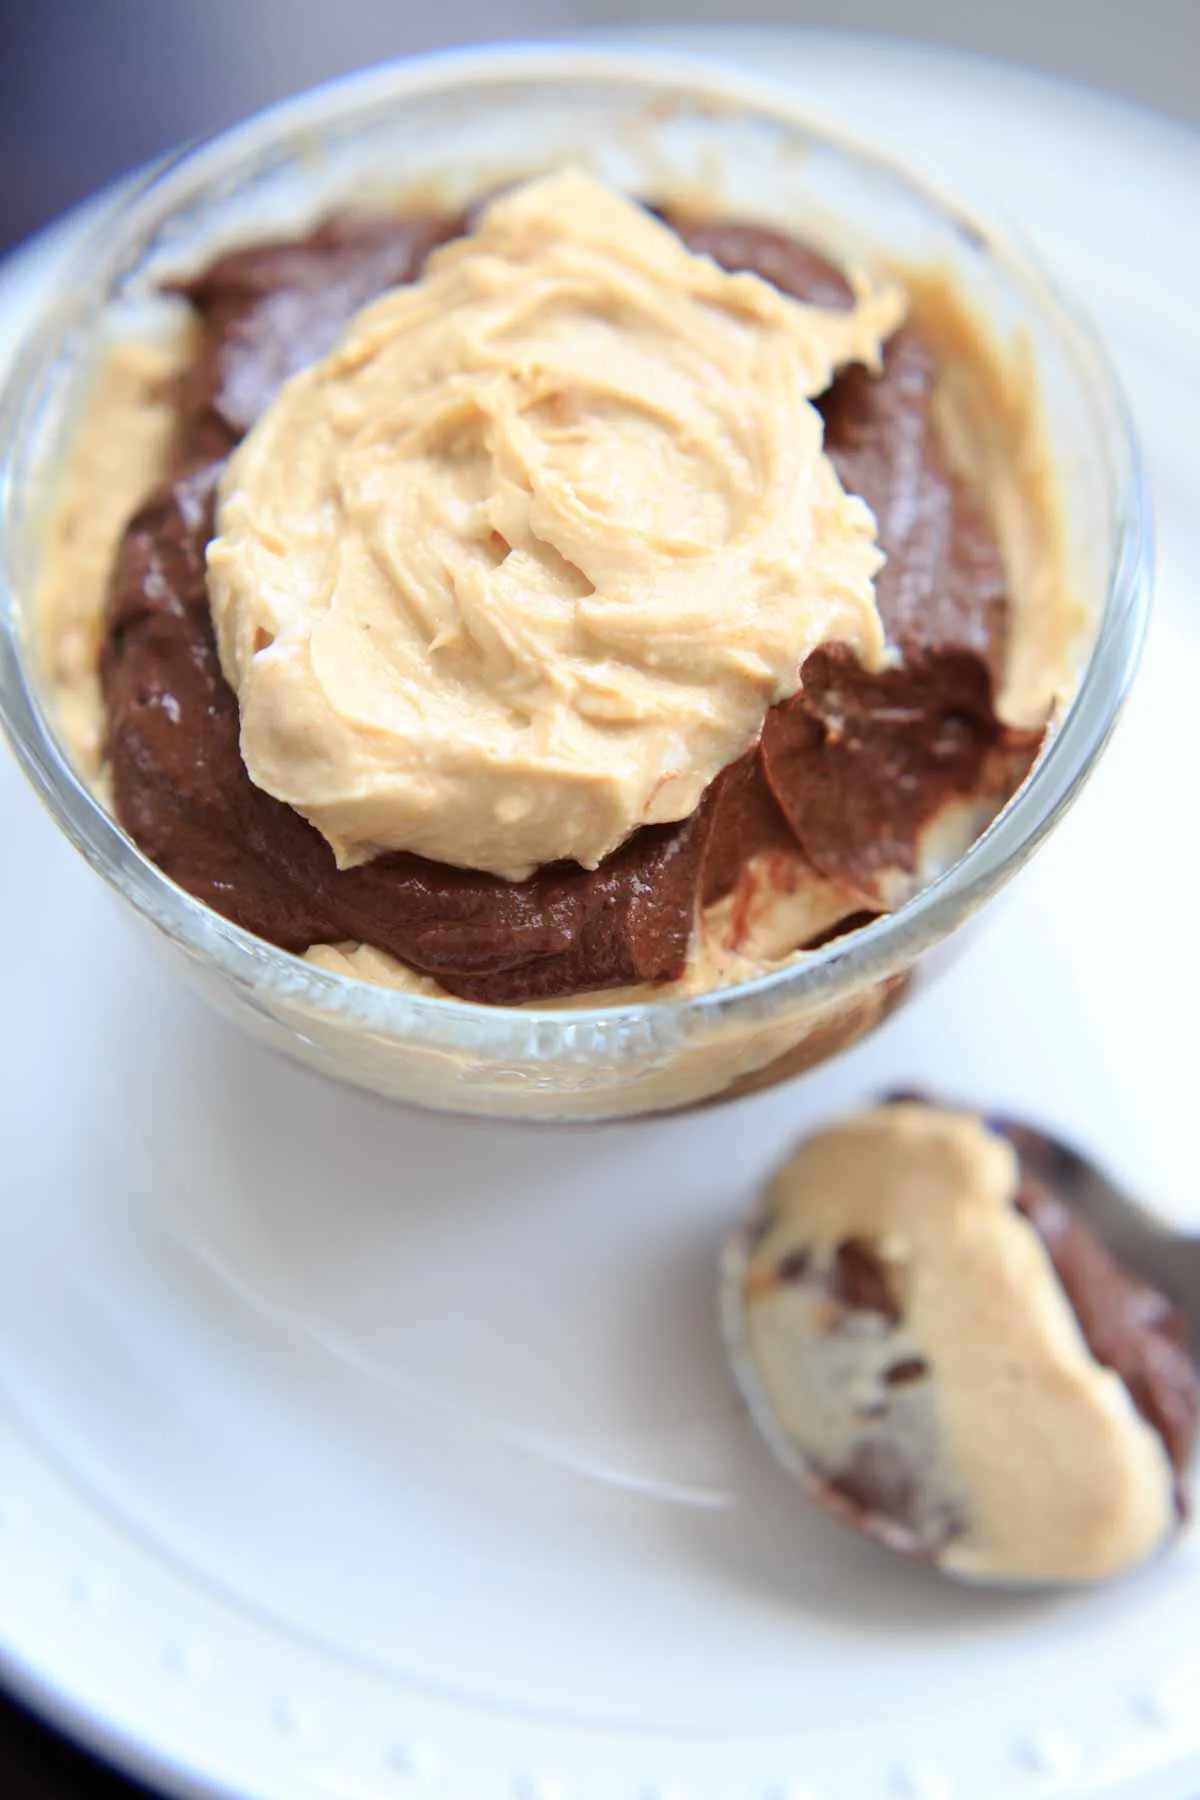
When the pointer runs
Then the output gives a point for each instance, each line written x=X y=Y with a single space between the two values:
x=1141 y=1242
x=838 y=1375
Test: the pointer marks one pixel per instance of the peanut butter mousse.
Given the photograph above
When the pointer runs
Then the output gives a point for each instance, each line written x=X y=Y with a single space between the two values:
x=858 y=786
x=522 y=564
x=954 y=1361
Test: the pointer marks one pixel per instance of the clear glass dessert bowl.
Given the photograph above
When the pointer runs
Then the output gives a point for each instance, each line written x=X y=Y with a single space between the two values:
x=455 y=126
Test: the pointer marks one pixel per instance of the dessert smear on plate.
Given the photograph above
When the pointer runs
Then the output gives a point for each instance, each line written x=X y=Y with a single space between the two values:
x=556 y=600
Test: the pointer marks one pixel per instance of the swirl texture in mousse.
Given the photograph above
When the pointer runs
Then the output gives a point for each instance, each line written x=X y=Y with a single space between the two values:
x=522 y=564
x=820 y=822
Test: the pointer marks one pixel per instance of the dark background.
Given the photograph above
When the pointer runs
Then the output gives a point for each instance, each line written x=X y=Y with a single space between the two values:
x=36 y=1765
x=91 y=88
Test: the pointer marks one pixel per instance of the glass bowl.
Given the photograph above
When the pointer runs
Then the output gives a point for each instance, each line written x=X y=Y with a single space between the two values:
x=459 y=123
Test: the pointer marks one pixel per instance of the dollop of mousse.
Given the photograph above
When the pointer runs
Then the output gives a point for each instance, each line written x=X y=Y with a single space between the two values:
x=523 y=563
x=953 y=1361
x=915 y=745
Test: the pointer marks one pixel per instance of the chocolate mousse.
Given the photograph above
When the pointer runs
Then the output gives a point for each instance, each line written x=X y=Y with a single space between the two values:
x=846 y=781
x=932 y=1332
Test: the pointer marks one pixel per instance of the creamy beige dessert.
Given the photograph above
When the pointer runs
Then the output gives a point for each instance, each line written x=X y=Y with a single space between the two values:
x=612 y=606
x=954 y=1363
x=522 y=564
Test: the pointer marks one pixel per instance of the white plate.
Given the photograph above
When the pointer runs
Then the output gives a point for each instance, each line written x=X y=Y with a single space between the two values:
x=349 y=1453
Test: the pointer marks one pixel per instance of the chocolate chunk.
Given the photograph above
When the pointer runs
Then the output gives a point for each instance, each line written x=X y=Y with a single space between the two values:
x=905 y=1372
x=794 y=1266
x=878 y=1479
x=861 y=1282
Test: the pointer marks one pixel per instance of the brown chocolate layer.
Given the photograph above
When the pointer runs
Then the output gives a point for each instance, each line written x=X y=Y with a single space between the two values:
x=271 y=309
x=880 y=1494
x=851 y=770
x=846 y=775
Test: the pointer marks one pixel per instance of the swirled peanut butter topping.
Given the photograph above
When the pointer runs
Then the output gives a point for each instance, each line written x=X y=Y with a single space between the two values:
x=522 y=564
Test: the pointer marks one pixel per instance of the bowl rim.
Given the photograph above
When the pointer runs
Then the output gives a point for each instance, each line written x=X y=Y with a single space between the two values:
x=864 y=956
